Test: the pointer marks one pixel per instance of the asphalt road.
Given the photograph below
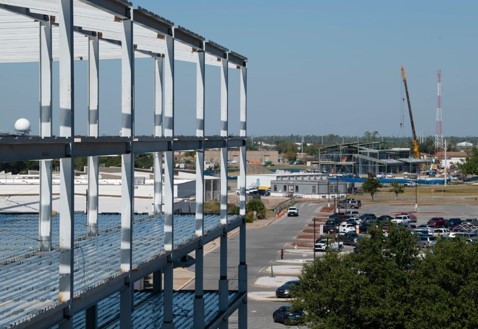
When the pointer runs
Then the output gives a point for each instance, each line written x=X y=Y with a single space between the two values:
x=263 y=252
x=267 y=271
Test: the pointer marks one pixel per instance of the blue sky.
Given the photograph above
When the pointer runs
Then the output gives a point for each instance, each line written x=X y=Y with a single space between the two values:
x=333 y=67
x=315 y=67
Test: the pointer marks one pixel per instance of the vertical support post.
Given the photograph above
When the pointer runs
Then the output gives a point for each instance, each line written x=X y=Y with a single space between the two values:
x=66 y=97
x=127 y=170
x=45 y=226
x=243 y=134
x=92 y=317
x=200 y=110
x=168 y=94
x=242 y=318
x=93 y=131
x=157 y=281
x=224 y=134
x=223 y=281
x=158 y=132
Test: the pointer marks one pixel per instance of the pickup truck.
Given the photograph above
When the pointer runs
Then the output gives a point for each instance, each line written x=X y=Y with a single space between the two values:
x=292 y=211
x=350 y=203
x=323 y=245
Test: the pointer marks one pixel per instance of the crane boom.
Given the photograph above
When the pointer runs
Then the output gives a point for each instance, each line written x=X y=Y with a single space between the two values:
x=415 y=150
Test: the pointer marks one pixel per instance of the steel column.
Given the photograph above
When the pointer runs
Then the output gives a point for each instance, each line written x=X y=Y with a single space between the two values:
x=127 y=170
x=93 y=131
x=158 y=132
x=168 y=96
x=199 y=269
x=223 y=281
x=45 y=211
x=242 y=198
x=67 y=195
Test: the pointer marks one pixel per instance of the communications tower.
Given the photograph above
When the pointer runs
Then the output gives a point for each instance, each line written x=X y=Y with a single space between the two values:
x=439 y=146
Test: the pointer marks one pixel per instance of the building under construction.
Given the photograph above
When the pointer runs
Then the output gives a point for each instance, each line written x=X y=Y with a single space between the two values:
x=76 y=270
x=363 y=158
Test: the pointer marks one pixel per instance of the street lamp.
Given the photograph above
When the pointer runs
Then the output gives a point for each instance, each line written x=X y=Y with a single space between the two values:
x=313 y=245
x=416 y=196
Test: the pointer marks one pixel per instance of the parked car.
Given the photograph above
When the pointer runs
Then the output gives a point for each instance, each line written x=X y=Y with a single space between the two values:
x=347 y=227
x=330 y=226
x=292 y=211
x=325 y=244
x=286 y=315
x=441 y=232
x=350 y=203
x=410 y=184
x=413 y=218
x=384 y=218
x=425 y=241
x=284 y=291
x=350 y=238
x=352 y=213
x=338 y=218
x=436 y=222
x=452 y=222
x=401 y=220
x=367 y=217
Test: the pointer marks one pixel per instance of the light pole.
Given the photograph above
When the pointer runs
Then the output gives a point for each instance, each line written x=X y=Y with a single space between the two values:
x=416 y=196
x=313 y=244
x=328 y=193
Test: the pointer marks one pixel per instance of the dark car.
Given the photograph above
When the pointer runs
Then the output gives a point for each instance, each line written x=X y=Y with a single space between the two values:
x=384 y=218
x=368 y=217
x=330 y=226
x=350 y=238
x=338 y=218
x=285 y=290
x=452 y=222
x=286 y=315
x=436 y=222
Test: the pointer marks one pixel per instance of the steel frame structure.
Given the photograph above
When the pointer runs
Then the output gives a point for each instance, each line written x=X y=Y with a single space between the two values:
x=71 y=29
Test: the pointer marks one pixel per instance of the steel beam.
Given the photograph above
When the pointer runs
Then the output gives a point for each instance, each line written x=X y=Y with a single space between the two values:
x=46 y=59
x=168 y=121
x=237 y=59
x=67 y=193
x=93 y=131
x=158 y=132
x=153 y=22
x=127 y=170
x=225 y=134
x=190 y=38
x=119 y=8
x=25 y=12
x=216 y=50
x=199 y=266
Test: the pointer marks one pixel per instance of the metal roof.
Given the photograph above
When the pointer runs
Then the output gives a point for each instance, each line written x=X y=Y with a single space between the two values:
x=20 y=37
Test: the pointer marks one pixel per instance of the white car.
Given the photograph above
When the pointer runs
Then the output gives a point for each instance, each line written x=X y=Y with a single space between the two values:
x=345 y=227
x=441 y=232
x=401 y=220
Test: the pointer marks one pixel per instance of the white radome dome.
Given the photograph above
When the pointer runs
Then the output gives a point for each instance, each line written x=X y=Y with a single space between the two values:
x=22 y=125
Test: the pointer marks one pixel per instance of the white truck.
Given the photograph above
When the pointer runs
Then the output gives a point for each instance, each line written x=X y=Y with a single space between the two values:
x=325 y=244
x=292 y=211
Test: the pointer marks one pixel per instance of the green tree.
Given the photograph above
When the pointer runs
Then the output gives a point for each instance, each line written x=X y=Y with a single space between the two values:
x=470 y=165
x=257 y=206
x=371 y=185
x=396 y=188
x=386 y=285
